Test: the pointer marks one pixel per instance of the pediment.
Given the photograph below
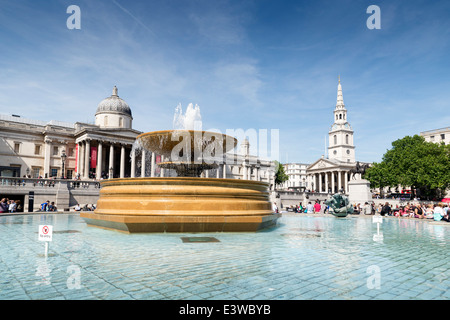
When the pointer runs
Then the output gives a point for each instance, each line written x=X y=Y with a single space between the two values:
x=322 y=164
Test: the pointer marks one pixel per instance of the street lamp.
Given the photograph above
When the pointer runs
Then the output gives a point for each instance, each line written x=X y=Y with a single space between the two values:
x=63 y=160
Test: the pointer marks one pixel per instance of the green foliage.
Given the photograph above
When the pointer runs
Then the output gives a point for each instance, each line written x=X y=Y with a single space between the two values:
x=280 y=174
x=413 y=162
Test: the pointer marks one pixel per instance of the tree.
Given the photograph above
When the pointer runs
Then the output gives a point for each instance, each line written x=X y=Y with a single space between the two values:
x=280 y=174
x=413 y=162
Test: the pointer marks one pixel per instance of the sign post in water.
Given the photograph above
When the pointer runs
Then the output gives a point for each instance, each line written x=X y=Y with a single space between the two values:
x=45 y=234
x=377 y=220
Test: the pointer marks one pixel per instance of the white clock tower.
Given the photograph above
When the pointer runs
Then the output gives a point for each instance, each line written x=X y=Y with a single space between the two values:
x=340 y=136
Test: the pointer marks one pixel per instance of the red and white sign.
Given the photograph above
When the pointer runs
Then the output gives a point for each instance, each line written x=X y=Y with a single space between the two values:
x=45 y=233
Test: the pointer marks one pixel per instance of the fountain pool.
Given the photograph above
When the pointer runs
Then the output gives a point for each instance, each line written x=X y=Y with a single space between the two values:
x=305 y=257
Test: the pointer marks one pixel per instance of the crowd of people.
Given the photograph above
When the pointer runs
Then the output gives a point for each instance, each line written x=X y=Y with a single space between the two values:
x=10 y=206
x=437 y=212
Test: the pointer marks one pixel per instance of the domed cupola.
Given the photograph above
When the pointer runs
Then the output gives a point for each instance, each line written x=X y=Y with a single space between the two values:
x=113 y=112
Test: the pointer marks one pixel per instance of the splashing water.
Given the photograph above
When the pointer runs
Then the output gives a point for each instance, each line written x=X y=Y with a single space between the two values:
x=191 y=120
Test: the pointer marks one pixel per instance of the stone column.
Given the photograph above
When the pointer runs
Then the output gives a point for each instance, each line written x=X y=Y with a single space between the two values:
x=81 y=159
x=122 y=161
x=162 y=169
x=78 y=158
x=339 y=174
x=111 y=161
x=332 y=182
x=47 y=157
x=320 y=182
x=99 y=160
x=86 y=159
x=346 y=182
x=133 y=163
x=326 y=182
x=224 y=172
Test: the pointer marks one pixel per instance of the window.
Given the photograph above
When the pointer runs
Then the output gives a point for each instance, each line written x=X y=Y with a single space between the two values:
x=431 y=138
x=443 y=136
x=16 y=147
x=55 y=151
x=35 y=172
x=348 y=151
x=54 y=172
x=346 y=139
x=340 y=116
x=335 y=139
x=37 y=150
x=71 y=152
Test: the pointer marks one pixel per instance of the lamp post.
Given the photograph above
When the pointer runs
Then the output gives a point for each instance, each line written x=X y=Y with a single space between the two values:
x=63 y=160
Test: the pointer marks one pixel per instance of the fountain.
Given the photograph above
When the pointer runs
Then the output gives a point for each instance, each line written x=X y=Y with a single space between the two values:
x=188 y=202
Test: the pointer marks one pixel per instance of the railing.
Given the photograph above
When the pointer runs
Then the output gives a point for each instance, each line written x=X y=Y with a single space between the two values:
x=47 y=183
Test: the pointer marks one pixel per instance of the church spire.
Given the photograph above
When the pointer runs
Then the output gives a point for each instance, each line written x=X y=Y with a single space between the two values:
x=340 y=97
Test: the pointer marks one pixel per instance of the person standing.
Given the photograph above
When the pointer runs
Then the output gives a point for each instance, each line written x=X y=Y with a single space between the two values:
x=12 y=206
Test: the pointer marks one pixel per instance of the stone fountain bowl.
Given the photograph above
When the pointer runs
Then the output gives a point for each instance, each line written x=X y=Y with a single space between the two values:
x=197 y=142
x=182 y=204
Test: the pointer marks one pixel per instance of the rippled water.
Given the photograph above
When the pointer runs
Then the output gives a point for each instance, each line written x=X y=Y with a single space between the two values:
x=302 y=258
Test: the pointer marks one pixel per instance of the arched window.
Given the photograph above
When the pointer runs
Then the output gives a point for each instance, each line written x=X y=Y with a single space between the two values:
x=336 y=117
x=346 y=139
x=335 y=139
x=340 y=116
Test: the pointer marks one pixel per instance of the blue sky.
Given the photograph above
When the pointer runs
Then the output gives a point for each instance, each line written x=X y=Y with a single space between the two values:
x=247 y=64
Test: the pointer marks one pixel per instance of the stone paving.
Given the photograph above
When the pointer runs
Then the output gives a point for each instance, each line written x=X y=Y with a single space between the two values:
x=304 y=257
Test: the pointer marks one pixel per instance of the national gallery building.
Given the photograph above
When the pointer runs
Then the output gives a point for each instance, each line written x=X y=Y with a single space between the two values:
x=38 y=149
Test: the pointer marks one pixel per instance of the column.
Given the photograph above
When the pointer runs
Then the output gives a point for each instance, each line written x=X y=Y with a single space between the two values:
x=99 y=160
x=224 y=172
x=111 y=161
x=78 y=158
x=81 y=159
x=133 y=163
x=162 y=169
x=320 y=182
x=86 y=158
x=122 y=161
x=332 y=182
x=339 y=181
x=346 y=182
x=47 y=156
x=326 y=182
x=143 y=164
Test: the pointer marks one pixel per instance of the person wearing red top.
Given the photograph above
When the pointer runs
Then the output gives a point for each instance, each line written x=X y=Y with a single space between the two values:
x=317 y=207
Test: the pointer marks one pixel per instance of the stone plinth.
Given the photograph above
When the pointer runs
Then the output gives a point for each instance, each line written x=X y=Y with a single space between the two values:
x=359 y=191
